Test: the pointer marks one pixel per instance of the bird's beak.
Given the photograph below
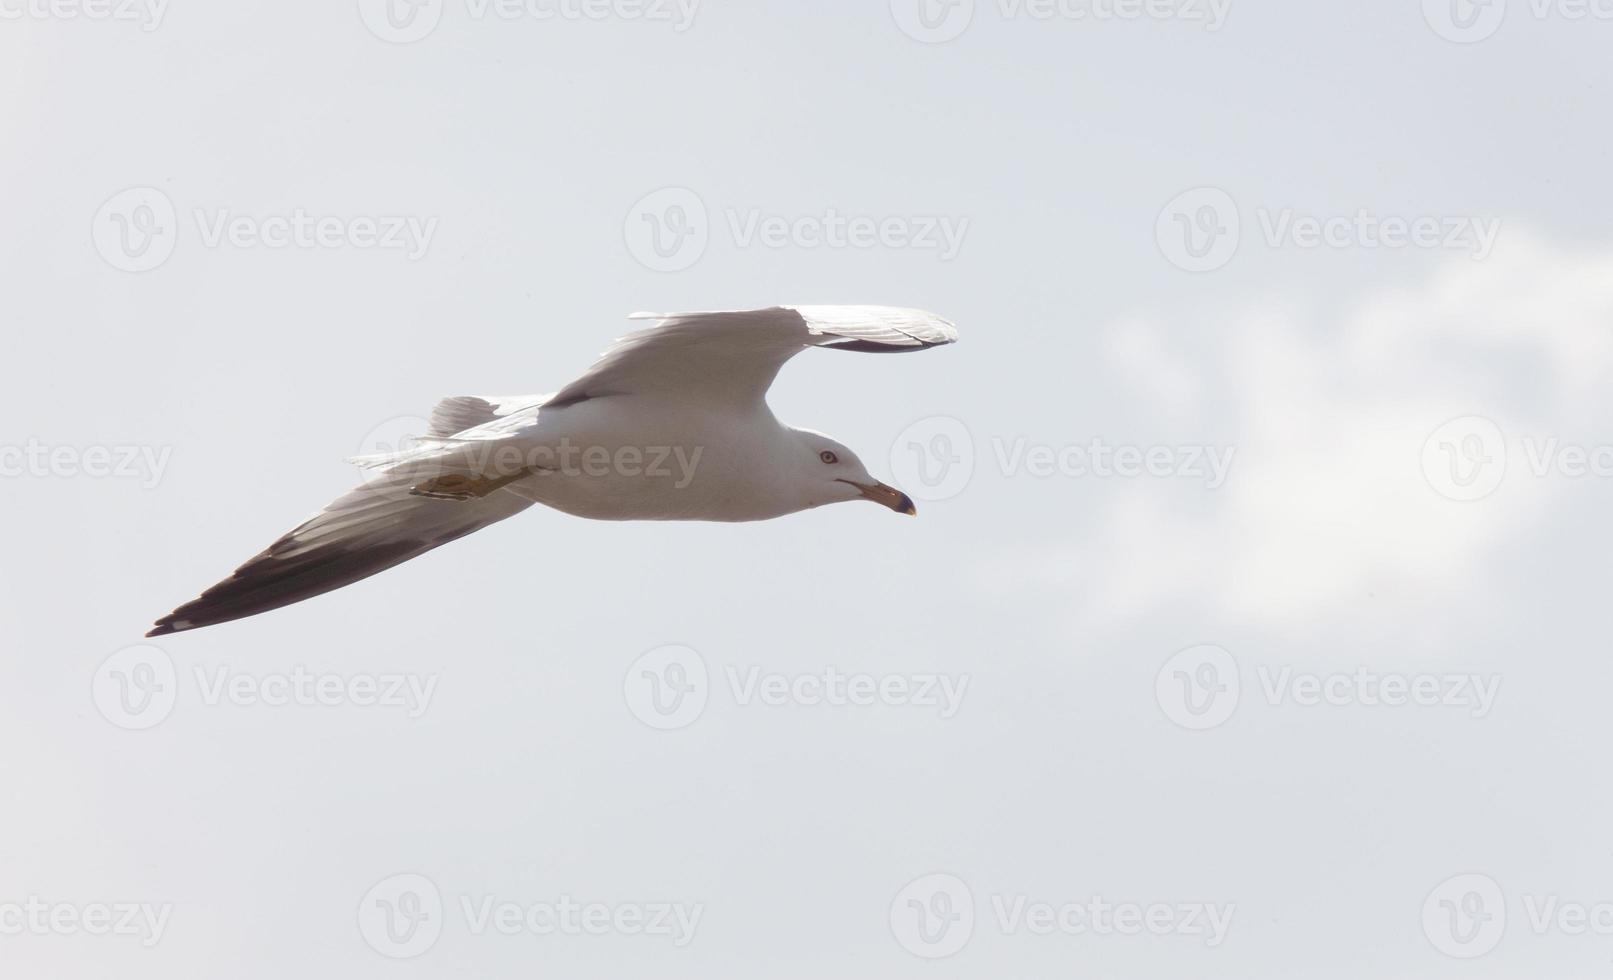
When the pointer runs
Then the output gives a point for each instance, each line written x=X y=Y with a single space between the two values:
x=886 y=496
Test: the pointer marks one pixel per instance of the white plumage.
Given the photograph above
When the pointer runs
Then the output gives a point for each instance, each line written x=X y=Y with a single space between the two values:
x=670 y=424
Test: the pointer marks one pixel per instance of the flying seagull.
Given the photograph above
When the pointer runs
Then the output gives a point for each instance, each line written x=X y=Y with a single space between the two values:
x=671 y=424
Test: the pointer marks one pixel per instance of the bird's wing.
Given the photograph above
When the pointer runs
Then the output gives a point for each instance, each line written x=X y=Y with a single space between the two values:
x=730 y=358
x=414 y=501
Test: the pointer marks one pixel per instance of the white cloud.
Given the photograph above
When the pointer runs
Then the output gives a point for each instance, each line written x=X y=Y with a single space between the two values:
x=1327 y=499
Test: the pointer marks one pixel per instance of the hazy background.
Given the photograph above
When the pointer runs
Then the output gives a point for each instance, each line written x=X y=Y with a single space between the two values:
x=1067 y=771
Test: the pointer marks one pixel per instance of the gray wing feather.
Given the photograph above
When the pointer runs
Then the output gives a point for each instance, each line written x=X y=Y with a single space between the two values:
x=731 y=357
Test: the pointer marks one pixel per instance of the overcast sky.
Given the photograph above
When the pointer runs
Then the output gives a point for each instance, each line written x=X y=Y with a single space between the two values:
x=1252 y=624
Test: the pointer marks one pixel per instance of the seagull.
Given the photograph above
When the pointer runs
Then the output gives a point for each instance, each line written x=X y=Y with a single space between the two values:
x=670 y=424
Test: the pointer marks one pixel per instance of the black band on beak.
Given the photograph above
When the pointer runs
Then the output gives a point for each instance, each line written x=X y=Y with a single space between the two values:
x=886 y=496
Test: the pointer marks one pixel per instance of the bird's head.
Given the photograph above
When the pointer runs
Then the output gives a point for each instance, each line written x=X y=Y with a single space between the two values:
x=831 y=473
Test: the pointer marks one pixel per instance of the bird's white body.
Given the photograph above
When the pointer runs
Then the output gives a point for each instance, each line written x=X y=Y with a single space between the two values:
x=635 y=458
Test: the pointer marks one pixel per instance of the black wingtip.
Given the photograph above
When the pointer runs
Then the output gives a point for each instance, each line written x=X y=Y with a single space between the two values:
x=161 y=629
x=875 y=347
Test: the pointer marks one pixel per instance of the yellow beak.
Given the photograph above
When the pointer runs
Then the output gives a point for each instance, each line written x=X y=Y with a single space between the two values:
x=886 y=496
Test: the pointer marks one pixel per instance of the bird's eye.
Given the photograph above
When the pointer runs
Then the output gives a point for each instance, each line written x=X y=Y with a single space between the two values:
x=829 y=457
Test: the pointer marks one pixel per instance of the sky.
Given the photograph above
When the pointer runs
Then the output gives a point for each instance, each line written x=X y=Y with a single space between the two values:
x=1250 y=626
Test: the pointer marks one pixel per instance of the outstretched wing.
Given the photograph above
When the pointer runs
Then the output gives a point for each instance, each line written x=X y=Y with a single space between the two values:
x=418 y=502
x=728 y=359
